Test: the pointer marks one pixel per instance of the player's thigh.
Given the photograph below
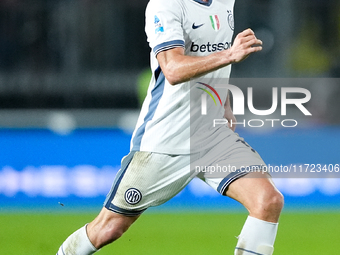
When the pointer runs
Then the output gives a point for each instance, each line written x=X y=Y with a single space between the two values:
x=147 y=179
x=236 y=170
x=258 y=194
x=228 y=161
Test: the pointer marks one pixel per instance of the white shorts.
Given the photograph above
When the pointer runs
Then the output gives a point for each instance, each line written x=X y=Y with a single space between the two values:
x=150 y=179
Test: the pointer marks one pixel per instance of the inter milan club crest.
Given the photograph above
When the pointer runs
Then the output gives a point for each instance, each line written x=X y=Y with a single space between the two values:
x=215 y=22
x=133 y=196
x=230 y=20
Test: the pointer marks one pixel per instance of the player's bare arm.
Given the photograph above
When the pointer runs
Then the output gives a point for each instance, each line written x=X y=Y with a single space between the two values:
x=179 y=68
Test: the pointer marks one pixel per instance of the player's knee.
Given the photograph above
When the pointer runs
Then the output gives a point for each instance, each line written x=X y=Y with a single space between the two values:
x=275 y=202
x=107 y=234
x=269 y=206
x=107 y=228
x=112 y=233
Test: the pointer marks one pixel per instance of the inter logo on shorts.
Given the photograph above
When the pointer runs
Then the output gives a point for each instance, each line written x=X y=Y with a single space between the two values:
x=133 y=196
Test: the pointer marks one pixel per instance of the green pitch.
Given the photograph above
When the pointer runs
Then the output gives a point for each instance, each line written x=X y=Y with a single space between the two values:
x=175 y=233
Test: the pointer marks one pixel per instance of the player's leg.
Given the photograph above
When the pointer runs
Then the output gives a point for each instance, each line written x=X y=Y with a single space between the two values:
x=264 y=203
x=232 y=160
x=104 y=229
x=259 y=195
x=108 y=227
x=145 y=179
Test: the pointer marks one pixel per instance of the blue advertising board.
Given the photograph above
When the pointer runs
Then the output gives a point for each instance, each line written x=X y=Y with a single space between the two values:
x=43 y=170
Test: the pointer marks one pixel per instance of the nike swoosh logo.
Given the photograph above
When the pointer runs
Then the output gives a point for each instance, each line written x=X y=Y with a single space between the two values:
x=195 y=27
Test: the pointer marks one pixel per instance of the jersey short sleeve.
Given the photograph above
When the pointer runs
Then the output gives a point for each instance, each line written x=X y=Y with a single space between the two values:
x=163 y=25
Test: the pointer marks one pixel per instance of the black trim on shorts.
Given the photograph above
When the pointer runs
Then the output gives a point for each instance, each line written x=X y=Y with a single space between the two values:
x=222 y=187
x=125 y=212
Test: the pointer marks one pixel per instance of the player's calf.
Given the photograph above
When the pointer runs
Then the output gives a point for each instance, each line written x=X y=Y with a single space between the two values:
x=104 y=229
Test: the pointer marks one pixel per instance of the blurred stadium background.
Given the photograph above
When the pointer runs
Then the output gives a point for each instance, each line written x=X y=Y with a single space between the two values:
x=72 y=77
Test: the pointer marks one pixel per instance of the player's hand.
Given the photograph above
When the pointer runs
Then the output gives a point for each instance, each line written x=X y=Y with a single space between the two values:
x=228 y=114
x=244 y=44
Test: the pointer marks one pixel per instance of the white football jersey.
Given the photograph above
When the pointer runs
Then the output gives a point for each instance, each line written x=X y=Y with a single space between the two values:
x=170 y=120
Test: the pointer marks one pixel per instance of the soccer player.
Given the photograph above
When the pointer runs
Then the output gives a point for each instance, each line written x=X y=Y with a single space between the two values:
x=191 y=43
